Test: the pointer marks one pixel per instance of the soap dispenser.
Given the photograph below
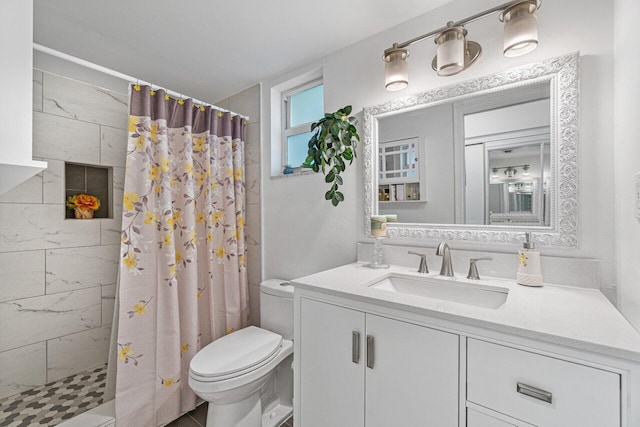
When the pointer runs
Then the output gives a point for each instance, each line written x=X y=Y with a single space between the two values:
x=529 y=268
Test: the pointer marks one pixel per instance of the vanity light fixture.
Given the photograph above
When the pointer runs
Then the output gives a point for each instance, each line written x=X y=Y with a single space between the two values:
x=396 y=69
x=455 y=53
x=520 y=28
x=510 y=171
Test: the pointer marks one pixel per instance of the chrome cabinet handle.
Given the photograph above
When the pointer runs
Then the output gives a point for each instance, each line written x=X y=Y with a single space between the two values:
x=369 y=352
x=355 y=347
x=534 y=392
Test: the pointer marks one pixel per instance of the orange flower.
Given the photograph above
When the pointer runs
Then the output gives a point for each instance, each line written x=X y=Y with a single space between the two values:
x=83 y=201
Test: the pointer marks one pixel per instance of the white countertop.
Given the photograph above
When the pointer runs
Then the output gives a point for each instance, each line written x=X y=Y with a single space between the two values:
x=574 y=317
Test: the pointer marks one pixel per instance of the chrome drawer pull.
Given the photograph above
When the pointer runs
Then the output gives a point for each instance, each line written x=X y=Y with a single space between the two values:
x=369 y=352
x=355 y=347
x=536 y=393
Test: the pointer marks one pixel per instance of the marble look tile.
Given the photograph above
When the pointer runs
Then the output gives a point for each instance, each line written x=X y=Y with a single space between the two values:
x=80 y=101
x=29 y=191
x=254 y=303
x=53 y=182
x=108 y=303
x=247 y=103
x=77 y=268
x=27 y=227
x=254 y=264
x=22 y=275
x=253 y=224
x=113 y=146
x=62 y=138
x=252 y=144
x=77 y=352
x=110 y=229
x=37 y=90
x=252 y=184
x=22 y=369
x=30 y=320
x=118 y=190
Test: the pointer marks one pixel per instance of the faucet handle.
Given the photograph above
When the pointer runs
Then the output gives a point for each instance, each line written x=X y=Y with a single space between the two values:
x=473 y=269
x=423 y=261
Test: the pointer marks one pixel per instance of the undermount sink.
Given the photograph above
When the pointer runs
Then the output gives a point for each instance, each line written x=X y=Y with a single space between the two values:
x=452 y=290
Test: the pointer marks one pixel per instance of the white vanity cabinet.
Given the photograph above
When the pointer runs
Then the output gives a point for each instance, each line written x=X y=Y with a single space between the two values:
x=357 y=369
x=370 y=357
x=540 y=390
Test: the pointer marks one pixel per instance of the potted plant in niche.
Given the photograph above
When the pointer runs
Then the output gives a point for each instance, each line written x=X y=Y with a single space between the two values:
x=84 y=205
x=331 y=146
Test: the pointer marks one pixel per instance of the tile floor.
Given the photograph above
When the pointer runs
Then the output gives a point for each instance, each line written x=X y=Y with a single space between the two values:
x=198 y=418
x=51 y=404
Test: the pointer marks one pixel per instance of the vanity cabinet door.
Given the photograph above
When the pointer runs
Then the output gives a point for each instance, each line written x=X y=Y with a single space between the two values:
x=331 y=377
x=413 y=380
x=541 y=390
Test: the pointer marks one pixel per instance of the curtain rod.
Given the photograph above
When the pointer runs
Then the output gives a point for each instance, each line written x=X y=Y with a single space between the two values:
x=121 y=76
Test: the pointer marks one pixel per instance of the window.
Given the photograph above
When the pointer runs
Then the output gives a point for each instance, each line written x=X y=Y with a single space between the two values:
x=300 y=108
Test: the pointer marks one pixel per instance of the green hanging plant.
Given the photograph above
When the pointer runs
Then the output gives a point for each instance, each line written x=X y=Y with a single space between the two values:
x=332 y=144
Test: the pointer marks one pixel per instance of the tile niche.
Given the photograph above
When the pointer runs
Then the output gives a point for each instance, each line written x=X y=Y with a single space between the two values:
x=94 y=180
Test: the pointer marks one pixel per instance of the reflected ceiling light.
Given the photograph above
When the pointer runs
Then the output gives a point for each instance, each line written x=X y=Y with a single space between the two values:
x=396 y=69
x=525 y=170
x=520 y=28
x=455 y=53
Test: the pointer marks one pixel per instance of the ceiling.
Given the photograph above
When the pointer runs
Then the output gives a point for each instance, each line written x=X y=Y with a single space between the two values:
x=211 y=49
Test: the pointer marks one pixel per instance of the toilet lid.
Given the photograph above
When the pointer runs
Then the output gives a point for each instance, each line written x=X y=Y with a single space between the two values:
x=235 y=352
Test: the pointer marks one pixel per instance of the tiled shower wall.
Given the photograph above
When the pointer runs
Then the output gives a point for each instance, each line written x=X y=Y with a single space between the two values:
x=247 y=103
x=58 y=276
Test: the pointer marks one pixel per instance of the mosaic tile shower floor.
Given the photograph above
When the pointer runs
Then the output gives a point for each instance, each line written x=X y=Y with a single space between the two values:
x=53 y=403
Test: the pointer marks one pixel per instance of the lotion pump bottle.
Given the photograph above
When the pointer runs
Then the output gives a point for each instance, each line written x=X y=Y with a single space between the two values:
x=529 y=268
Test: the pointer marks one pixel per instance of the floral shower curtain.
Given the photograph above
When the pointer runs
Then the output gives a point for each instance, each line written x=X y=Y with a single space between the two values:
x=183 y=280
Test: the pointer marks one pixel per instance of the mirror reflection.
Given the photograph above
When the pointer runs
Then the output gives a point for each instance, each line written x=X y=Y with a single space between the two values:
x=481 y=160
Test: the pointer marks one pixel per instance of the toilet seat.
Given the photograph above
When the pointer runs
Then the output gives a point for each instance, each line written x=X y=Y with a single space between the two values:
x=235 y=354
x=247 y=376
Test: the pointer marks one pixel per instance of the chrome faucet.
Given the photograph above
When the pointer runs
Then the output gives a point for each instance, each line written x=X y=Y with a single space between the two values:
x=423 y=262
x=447 y=266
x=473 y=269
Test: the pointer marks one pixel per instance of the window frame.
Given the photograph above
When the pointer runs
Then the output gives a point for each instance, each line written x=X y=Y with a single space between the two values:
x=288 y=131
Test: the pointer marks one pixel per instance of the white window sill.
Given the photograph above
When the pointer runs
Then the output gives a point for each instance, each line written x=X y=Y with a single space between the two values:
x=301 y=172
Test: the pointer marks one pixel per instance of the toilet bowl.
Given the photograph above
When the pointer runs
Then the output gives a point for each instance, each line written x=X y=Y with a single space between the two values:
x=246 y=377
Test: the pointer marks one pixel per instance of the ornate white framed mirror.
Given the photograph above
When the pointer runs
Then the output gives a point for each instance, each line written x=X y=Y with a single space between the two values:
x=482 y=160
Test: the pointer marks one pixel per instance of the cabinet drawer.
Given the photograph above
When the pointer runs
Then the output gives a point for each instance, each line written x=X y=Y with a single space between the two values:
x=521 y=384
x=478 y=419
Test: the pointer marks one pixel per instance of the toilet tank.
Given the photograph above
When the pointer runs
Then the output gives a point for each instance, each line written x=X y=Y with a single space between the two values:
x=276 y=307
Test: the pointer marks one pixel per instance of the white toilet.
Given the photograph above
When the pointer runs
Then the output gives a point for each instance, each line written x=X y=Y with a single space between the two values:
x=247 y=376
